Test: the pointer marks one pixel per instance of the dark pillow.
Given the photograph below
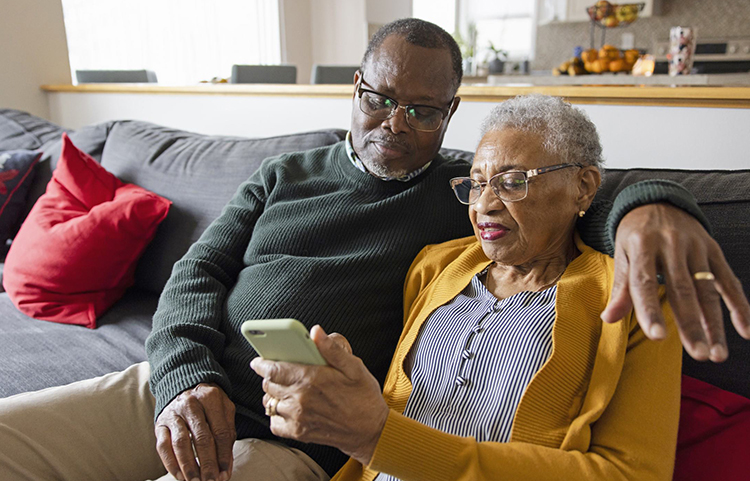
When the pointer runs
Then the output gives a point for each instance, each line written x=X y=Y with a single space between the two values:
x=198 y=173
x=16 y=175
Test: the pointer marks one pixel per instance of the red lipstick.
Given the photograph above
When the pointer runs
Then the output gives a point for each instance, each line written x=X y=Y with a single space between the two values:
x=491 y=230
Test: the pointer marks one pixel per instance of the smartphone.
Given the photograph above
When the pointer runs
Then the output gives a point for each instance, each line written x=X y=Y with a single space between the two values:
x=282 y=340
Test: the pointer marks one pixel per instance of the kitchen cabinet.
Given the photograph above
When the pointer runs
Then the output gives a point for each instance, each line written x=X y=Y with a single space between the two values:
x=575 y=10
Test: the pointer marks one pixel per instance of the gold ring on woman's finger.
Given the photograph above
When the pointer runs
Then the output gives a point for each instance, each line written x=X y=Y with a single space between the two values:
x=704 y=276
x=271 y=407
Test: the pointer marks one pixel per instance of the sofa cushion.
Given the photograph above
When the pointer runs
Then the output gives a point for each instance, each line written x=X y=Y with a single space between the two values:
x=76 y=253
x=199 y=173
x=724 y=197
x=16 y=175
x=39 y=354
x=21 y=130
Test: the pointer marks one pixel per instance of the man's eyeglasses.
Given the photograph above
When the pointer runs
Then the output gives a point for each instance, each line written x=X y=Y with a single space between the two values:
x=424 y=118
x=509 y=186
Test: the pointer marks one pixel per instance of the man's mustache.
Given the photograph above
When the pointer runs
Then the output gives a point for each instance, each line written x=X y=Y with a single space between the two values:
x=391 y=142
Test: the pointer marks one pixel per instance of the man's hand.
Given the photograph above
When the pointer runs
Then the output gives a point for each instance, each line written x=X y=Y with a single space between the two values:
x=339 y=405
x=661 y=238
x=200 y=418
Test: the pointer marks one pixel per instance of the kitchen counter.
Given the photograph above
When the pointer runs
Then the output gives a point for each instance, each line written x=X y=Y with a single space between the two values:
x=651 y=95
x=729 y=79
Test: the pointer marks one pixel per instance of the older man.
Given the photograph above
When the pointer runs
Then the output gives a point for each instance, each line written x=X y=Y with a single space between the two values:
x=325 y=236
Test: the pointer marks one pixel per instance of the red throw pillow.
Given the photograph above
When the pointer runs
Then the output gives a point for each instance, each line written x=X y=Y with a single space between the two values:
x=714 y=435
x=75 y=255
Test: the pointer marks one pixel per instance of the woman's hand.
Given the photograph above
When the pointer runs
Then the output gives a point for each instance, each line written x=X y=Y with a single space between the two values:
x=338 y=405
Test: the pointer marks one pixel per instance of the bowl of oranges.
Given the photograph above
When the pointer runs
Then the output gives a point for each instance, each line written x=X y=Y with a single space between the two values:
x=606 y=59
x=611 y=15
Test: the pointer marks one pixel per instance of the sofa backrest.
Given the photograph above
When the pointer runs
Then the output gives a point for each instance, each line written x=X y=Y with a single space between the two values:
x=20 y=130
x=198 y=173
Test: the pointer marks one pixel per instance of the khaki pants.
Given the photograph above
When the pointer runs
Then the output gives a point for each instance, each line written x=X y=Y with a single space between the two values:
x=102 y=429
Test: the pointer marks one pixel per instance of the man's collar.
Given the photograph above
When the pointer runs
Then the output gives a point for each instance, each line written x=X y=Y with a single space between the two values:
x=358 y=163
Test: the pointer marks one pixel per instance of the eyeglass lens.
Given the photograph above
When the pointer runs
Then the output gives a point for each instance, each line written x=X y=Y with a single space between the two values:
x=419 y=117
x=511 y=186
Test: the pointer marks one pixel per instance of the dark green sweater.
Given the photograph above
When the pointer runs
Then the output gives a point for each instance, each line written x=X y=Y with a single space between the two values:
x=309 y=237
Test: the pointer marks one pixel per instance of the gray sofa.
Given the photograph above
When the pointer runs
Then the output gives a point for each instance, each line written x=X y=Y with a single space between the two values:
x=199 y=174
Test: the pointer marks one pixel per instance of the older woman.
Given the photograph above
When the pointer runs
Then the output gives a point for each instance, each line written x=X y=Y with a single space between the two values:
x=504 y=369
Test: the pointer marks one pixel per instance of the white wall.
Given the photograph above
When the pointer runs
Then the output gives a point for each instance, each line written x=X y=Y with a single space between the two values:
x=339 y=31
x=33 y=52
x=296 y=35
x=384 y=11
x=333 y=32
x=642 y=136
x=663 y=137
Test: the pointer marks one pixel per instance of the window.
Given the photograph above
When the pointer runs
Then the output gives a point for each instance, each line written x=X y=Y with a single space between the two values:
x=439 y=12
x=508 y=24
x=183 y=41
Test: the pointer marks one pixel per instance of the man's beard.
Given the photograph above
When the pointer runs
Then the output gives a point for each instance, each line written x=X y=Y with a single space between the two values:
x=381 y=170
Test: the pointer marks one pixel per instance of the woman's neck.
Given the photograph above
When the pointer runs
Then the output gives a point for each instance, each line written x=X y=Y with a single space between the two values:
x=539 y=274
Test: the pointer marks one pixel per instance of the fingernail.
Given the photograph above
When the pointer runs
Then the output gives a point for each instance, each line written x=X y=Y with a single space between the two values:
x=196 y=479
x=718 y=352
x=180 y=477
x=701 y=350
x=657 y=331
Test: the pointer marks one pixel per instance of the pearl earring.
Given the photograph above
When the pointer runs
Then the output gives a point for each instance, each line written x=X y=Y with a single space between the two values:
x=581 y=213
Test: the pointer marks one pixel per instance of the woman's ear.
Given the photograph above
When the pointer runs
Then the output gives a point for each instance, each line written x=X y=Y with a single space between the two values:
x=589 y=179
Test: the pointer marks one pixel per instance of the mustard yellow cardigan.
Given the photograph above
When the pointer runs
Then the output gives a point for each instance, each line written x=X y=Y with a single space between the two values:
x=605 y=406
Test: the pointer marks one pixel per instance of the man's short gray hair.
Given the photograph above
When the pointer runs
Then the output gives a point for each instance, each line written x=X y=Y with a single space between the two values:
x=567 y=131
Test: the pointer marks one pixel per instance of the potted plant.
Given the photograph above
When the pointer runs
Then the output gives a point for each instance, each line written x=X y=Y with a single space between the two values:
x=497 y=64
x=467 y=48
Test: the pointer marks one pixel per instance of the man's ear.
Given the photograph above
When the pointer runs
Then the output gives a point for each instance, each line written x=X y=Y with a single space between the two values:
x=456 y=101
x=357 y=77
x=589 y=179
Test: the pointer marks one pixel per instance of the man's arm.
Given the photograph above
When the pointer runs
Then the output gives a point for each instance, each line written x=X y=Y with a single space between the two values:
x=186 y=346
x=656 y=227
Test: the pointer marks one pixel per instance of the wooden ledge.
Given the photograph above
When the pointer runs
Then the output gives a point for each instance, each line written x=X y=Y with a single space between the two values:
x=652 y=95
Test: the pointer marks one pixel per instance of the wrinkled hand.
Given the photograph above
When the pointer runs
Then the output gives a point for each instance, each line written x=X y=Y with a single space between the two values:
x=338 y=405
x=663 y=238
x=200 y=418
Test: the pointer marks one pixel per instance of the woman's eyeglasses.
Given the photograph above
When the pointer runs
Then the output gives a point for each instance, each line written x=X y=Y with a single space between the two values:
x=508 y=186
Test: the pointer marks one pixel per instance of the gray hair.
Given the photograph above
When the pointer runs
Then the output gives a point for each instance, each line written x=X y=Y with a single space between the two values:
x=567 y=131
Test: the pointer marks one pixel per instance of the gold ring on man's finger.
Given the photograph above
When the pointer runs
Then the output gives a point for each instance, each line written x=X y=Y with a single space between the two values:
x=271 y=407
x=704 y=276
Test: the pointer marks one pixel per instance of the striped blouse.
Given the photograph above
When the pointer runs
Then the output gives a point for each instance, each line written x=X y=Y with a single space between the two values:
x=474 y=358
